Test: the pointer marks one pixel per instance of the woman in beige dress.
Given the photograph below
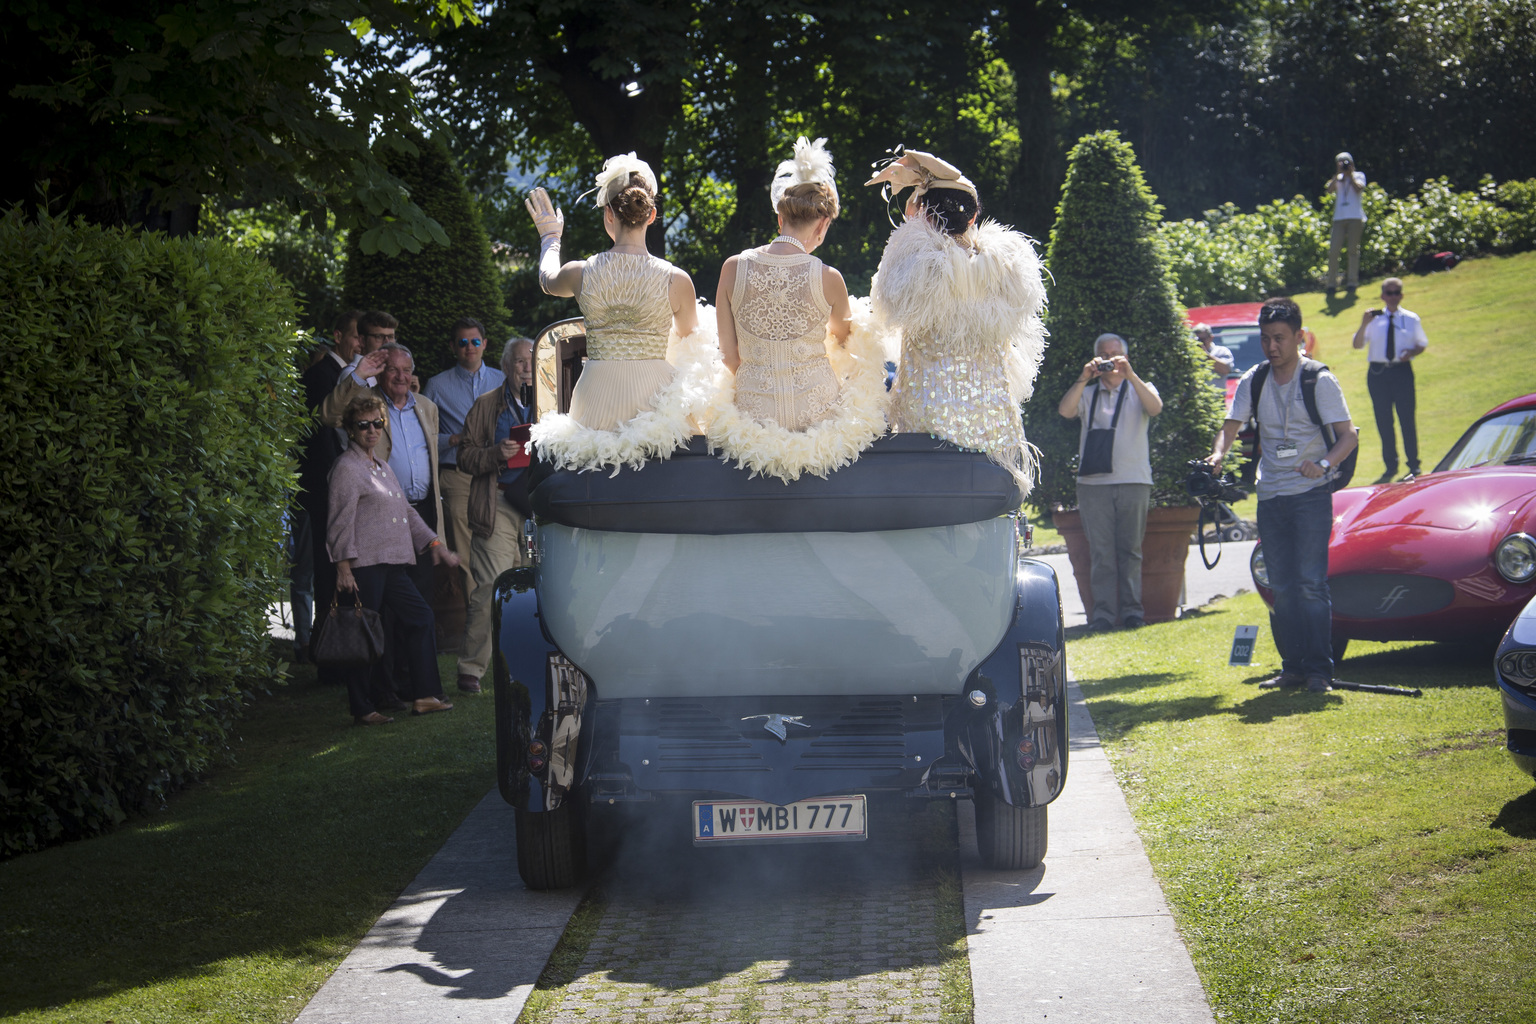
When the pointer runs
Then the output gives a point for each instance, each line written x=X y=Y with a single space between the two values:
x=630 y=403
x=796 y=397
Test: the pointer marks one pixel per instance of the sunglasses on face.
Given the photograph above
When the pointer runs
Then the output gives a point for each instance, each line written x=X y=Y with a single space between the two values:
x=466 y=342
x=368 y=425
x=1391 y=291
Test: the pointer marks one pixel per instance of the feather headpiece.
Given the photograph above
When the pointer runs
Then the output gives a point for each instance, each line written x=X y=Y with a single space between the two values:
x=811 y=162
x=614 y=176
x=923 y=170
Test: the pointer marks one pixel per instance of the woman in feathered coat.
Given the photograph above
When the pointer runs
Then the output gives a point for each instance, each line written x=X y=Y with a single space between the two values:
x=964 y=299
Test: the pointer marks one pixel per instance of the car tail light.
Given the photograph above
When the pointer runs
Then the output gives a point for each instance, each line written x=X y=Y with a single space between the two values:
x=1256 y=567
x=1515 y=558
x=536 y=755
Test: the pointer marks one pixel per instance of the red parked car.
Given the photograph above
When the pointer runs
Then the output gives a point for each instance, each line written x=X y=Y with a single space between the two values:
x=1236 y=325
x=1450 y=555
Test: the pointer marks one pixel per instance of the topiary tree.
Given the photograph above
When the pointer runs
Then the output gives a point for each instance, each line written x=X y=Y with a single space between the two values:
x=427 y=290
x=144 y=469
x=1111 y=273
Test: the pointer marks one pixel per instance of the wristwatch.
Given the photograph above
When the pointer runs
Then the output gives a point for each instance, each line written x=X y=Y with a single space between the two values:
x=1325 y=464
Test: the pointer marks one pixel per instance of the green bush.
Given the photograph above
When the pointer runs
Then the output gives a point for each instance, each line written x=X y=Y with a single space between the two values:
x=428 y=290
x=1111 y=272
x=1283 y=246
x=150 y=407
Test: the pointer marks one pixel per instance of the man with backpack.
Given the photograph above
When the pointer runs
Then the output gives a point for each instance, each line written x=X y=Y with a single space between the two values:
x=1307 y=445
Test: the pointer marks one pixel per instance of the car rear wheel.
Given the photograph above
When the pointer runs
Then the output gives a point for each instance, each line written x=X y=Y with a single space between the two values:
x=551 y=847
x=1010 y=838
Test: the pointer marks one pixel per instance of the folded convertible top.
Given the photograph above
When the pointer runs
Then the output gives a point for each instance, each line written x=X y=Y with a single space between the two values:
x=902 y=482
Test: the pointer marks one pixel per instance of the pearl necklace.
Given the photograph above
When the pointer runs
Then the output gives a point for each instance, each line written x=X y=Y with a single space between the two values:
x=792 y=240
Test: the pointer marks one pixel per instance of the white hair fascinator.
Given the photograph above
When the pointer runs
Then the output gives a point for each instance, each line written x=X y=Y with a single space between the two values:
x=811 y=162
x=614 y=176
x=927 y=172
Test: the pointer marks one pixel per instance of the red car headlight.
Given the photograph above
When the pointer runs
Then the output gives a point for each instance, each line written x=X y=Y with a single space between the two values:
x=1515 y=558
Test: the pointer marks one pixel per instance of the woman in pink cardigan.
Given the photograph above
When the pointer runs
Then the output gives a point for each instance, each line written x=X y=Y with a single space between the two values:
x=373 y=538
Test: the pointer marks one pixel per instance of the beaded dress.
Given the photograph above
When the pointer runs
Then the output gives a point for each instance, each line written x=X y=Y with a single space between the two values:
x=781 y=328
x=630 y=403
x=967 y=313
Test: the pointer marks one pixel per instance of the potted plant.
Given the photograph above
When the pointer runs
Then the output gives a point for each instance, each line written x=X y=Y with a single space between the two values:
x=1111 y=273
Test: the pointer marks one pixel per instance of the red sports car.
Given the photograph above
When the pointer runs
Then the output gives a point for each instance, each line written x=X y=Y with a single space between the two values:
x=1235 y=325
x=1450 y=555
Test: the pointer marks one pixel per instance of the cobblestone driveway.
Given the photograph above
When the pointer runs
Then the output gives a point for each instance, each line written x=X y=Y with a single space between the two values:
x=868 y=932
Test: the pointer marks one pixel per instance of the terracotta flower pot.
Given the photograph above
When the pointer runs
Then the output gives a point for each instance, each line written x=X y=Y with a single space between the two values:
x=1164 y=551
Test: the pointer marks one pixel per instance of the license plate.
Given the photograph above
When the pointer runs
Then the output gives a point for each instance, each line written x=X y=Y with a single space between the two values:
x=828 y=818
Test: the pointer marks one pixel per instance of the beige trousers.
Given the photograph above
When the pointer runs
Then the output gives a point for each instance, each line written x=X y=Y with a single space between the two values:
x=1345 y=233
x=455 y=486
x=491 y=556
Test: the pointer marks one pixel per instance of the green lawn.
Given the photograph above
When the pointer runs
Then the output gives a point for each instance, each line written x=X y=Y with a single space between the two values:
x=237 y=901
x=1328 y=857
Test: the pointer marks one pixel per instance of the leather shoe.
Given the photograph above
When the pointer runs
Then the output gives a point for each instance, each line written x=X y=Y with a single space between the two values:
x=1319 y=684
x=1133 y=622
x=469 y=684
x=427 y=705
x=372 y=718
x=1288 y=680
x=1100 y=626
x=1410 y=475
x=1386 y=477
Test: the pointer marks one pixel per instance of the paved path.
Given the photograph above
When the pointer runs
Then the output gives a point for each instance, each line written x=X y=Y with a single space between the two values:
x=1201 y=585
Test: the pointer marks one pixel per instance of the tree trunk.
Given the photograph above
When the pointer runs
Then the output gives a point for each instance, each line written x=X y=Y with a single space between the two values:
x=1035 y=184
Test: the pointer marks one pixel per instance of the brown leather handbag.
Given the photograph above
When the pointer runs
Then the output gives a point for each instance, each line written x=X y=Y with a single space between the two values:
x=350 y=637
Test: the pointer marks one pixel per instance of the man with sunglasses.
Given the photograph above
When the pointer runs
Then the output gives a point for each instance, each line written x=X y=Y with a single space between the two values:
x=454 y=391
x=1393 y=336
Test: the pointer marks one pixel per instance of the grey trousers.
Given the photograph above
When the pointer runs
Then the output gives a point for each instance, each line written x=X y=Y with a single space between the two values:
x=1114 y=519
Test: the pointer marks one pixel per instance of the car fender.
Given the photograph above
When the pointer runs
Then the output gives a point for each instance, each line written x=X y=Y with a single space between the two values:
x=1016 y=741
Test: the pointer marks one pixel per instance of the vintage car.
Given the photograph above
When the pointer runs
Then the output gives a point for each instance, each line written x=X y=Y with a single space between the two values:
x=739 y=660
x=1449 y=555
x=1515 y=668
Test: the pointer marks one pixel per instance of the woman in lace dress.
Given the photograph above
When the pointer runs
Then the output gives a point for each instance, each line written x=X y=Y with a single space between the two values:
x=964 y=299
x=630 y=403
x=783 y=407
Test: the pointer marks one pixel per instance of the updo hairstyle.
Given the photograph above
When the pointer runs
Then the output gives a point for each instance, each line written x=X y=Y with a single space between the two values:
x=361 y=407
x=634 y=203
x=807 y=203
x=951 y=209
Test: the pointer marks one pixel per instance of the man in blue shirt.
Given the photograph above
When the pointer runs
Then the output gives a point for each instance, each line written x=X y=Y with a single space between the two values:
x=454 y=391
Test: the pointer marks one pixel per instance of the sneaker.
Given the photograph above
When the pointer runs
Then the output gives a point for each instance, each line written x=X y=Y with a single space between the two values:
x=469 y=684
x=1133 y=622
x=1287 y=680
x=1319 y=684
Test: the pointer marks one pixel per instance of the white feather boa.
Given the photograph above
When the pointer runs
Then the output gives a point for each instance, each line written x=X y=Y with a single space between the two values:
x=857 y=420
x=655 y=433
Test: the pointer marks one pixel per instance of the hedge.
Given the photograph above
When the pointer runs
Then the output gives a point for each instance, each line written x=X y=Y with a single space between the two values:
x=1110 y=273
x=430 y=289
x=150 y=408
x=1282 y=246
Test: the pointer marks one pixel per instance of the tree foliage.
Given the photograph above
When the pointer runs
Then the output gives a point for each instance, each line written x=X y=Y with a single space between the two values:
x=428 y=290
x=138 y=110
x=1111 y=273
x=151 y=407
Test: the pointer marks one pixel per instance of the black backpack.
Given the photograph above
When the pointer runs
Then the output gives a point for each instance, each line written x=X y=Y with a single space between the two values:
x=1310 y=368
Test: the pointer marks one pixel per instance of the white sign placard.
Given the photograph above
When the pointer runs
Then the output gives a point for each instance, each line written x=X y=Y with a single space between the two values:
x=1243 y=643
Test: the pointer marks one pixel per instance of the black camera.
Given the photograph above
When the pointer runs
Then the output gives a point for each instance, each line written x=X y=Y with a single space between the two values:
x=1204 y=485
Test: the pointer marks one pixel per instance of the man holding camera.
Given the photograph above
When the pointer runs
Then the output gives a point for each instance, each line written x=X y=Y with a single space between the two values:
x=1114 y=477
x=1394 y=336
x=1348 y=188
x=1295 y=494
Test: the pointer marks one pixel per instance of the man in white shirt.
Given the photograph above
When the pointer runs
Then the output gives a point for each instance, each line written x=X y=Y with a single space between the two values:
x=1394 y=336
x=1219 y=355
x=1114 y=481
x=1295 y=493
x=1348 y=188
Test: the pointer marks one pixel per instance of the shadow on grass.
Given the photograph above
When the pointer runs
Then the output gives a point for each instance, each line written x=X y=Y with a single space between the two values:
x=1518 y=817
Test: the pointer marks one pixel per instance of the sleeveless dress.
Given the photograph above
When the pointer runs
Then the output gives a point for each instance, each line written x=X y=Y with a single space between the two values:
x=630 y=403
x=968 y=320
x=799 y=402
x=781 y=316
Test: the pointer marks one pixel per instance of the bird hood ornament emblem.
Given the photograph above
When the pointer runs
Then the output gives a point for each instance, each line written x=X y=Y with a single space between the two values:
x=776 y=723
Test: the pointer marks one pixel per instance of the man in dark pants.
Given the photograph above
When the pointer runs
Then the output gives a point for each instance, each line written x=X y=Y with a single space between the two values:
x=1394 y=336
x=320 y=451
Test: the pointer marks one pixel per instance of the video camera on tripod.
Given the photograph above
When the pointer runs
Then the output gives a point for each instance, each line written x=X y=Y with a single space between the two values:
x=1215 y=493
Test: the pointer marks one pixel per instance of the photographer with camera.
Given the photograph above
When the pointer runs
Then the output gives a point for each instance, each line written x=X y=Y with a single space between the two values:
x=1348 y=188
x=1296 y=474
x=1114 y=477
